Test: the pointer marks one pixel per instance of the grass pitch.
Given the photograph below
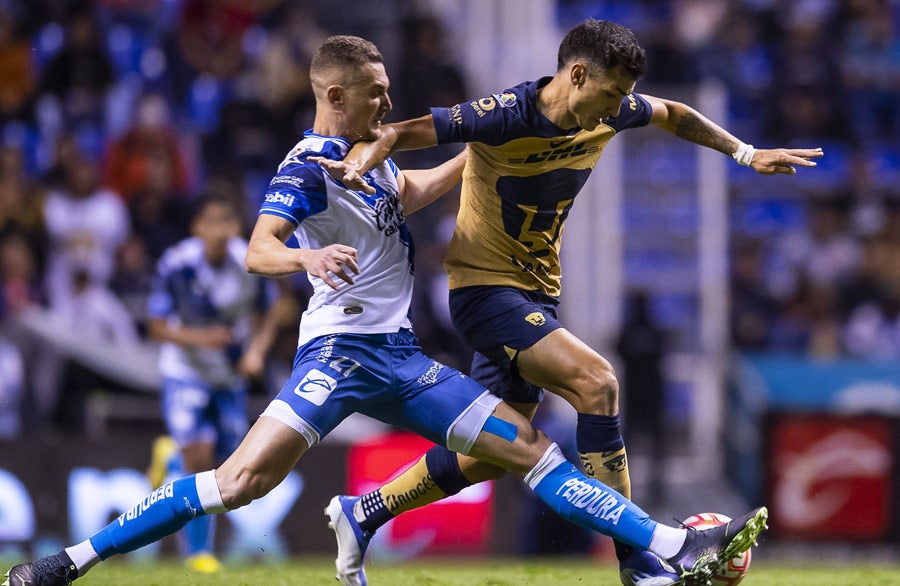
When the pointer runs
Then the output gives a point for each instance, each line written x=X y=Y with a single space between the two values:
x=466 y=572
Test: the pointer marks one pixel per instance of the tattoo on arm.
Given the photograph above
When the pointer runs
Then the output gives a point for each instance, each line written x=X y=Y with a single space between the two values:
x=701 y=131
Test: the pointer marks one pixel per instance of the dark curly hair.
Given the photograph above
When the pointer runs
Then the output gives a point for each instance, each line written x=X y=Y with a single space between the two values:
x=604 y=44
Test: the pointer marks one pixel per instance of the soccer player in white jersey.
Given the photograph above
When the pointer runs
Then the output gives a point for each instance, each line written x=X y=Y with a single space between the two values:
x=214 y=321
x=357 y=353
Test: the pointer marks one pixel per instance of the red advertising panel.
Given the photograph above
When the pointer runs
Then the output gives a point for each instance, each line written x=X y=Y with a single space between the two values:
x=460 y=524
x=830 y=477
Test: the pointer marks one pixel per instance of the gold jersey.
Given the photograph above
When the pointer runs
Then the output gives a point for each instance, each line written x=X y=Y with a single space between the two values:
x=521 y=178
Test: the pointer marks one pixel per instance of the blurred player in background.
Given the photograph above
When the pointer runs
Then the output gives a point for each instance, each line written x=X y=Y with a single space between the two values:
x=216 y=323
x=357 y=353
x=531 y=149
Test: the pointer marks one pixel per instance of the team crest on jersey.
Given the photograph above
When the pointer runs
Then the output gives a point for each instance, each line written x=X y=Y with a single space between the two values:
x=506 y=99
x=315 y=386
x=536 y=318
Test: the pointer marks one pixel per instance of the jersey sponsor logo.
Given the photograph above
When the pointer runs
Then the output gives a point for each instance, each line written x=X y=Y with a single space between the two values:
x=534 y=267
x=593 y=499
x=291 y=180
x=327 y=349
x=395 y=501
x=315 y=387
x=455 y=114
x=506 y=99
x=163 y=492
x=388 y=214
x=430 y=376
x=482 y=106
x=556 y=154
x=536 y=318
x=278 y=197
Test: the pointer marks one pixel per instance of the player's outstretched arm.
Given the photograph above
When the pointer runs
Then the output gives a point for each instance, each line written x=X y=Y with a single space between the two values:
x=418 y=133
x=269 y=256
x=689 y=124
x=420 y=187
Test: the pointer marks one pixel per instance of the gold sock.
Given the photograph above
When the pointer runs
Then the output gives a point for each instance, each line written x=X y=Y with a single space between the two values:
x=413 y=489
x=610 y=468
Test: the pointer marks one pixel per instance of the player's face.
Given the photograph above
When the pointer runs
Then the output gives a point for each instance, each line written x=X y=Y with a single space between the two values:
x=599 y=96
x=367 y=102
x=216 y=225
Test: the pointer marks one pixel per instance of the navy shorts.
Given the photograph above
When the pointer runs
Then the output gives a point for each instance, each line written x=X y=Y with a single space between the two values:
x=497 y=322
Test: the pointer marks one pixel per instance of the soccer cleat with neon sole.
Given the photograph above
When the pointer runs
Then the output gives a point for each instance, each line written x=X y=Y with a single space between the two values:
x=644 y=568
x=352 y=541
x=53 y=570
x=705 y=553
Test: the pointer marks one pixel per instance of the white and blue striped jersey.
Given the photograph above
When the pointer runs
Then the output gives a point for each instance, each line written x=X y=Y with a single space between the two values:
x=187 y=290
x=325 y=212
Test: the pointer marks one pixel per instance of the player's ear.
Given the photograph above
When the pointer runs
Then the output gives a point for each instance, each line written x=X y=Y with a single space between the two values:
x=578 y=74
x=335 y=95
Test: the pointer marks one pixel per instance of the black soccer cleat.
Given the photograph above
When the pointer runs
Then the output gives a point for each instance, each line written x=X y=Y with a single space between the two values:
x=706 y=552
x=53 y=570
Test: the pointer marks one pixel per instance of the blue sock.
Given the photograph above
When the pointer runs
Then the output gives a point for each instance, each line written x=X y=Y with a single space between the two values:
x=588 y=502
x=197 y=535
x=162 y=512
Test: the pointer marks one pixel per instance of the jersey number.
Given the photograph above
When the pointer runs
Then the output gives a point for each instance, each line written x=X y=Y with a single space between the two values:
x=532 y=209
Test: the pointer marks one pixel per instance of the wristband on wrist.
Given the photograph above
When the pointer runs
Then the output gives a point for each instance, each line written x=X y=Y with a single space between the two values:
x=744 y=154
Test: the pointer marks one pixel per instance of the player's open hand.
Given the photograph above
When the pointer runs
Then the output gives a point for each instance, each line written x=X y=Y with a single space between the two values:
x=786 y=161
x=333 y=261
x=345 y=173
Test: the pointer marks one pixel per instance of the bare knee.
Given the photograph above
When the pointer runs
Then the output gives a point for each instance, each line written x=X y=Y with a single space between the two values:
x=597 y=389
x=242 y=486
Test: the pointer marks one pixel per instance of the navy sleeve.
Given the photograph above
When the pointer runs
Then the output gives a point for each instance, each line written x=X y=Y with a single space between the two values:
x=636 y=112
x=491 y=120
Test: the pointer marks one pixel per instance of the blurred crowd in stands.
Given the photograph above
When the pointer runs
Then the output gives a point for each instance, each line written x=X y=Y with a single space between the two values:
x=116 y=116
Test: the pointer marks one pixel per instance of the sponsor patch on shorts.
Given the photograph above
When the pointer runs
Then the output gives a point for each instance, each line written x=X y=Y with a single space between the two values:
x=315 y=386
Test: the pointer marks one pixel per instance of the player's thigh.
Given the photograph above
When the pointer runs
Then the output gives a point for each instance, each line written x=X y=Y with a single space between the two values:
x=332 y=377
x=431 y=399
x=563 y=364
